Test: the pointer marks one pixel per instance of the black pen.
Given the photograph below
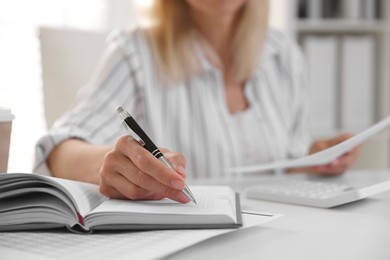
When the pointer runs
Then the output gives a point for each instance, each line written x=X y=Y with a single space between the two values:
x=149 y=145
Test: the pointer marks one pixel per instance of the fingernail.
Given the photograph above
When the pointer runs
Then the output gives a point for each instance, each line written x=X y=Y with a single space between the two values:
x=183 y=198
x=177 y=184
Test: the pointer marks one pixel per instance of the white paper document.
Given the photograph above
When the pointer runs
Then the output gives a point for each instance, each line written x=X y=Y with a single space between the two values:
x=56 y=245
x=320 y=158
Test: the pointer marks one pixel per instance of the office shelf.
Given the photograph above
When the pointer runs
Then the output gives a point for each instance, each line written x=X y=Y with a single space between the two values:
x=377 y=27
x=339 y=26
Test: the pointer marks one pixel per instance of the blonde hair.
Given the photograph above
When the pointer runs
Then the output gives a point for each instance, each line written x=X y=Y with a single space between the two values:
x=172 y=35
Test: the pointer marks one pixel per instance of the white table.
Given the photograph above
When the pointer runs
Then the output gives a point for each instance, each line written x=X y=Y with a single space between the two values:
x=360 y=230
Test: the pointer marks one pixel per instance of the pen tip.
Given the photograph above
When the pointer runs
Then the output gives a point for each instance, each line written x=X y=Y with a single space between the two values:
x=119 y=109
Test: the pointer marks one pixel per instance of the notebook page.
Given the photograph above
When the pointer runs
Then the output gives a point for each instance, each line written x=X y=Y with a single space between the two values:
x=86 y=196
x=212 y=200
x=83 y=196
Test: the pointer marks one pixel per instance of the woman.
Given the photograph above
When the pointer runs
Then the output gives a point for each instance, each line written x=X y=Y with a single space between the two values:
x=209 y=80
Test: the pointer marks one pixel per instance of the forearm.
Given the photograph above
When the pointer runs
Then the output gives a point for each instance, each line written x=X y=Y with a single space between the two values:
x=77 y=160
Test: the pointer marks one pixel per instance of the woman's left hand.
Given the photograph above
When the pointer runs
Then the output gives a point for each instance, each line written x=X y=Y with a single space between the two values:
x=341 y=164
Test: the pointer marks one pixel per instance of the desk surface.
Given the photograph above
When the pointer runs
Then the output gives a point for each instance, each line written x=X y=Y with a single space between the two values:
x=359 y=230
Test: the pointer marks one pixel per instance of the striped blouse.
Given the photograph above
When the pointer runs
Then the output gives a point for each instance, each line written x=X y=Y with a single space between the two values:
x=192 y=117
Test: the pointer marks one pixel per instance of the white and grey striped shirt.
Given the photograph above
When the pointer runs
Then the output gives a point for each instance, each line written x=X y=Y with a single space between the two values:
x=192 y=117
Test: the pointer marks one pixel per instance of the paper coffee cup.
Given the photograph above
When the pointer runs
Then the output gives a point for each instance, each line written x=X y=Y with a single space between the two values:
x=6 y=118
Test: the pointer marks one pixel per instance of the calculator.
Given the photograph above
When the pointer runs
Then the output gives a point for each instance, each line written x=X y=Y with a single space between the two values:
x=312 y=193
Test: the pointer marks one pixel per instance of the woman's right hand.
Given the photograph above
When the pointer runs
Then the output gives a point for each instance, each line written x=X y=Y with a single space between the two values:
x=129 y=171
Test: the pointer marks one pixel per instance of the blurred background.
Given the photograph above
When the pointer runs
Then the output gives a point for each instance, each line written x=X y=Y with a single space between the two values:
x=49 y=48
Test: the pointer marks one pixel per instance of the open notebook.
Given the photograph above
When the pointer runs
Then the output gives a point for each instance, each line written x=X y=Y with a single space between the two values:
x=29 y=201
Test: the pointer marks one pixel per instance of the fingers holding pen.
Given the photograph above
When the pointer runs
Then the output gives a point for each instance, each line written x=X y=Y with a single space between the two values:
x=140 y=179
x=140 y=169
x=177 y=160
x=117 y=187
x=121 y=188
x=150 y=165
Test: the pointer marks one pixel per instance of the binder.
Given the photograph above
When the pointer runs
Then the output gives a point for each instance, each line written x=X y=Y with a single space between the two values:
x=315 y=9
x=369 y=8
x=357 y=83
x=321 y=54
x=352 y=9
